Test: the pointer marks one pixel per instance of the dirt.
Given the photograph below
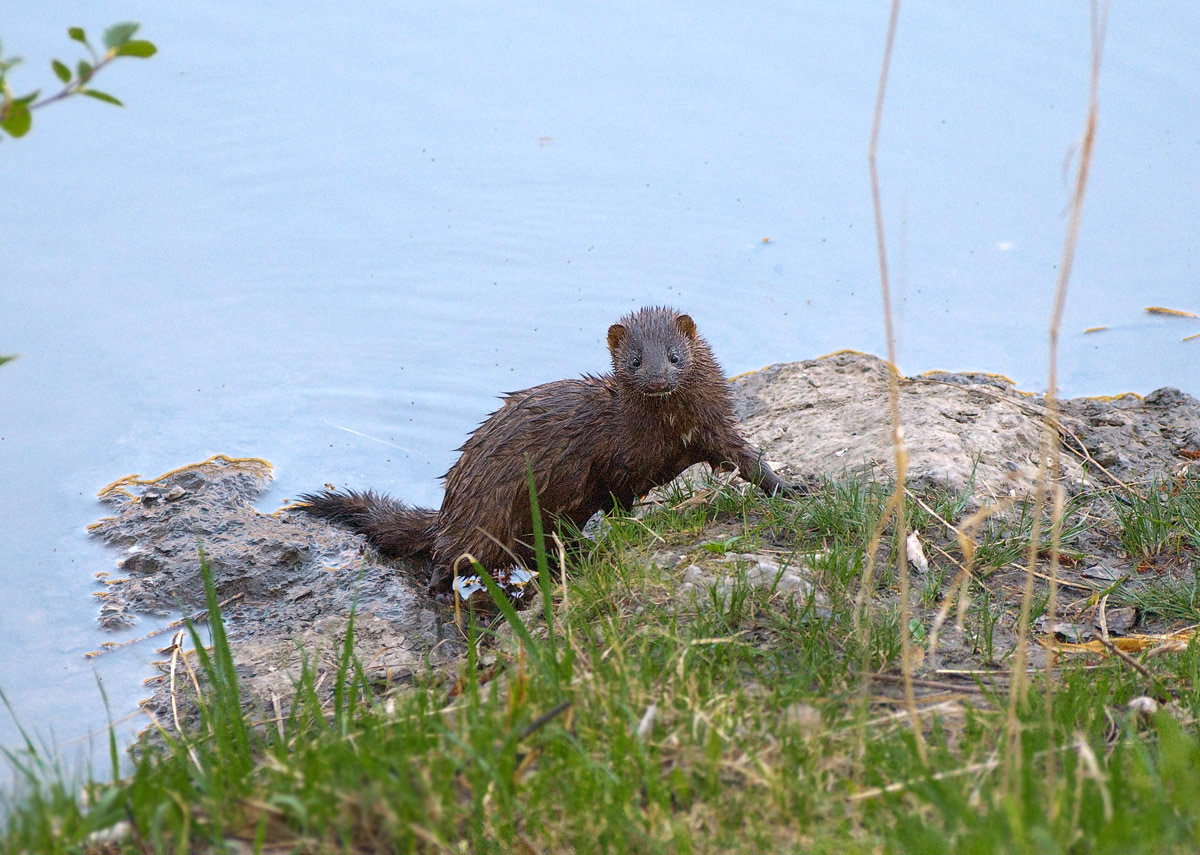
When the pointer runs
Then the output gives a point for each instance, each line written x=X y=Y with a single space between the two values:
x=290 y=583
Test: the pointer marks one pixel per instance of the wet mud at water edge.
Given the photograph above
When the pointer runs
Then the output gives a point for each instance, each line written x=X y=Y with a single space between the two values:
x=286 y=583
x=289 y=583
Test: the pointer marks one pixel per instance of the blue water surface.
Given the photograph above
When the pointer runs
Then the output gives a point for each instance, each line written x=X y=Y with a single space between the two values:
x=329 y=236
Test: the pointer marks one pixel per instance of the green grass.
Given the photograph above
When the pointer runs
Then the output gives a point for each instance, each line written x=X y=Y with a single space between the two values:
x=1162 y=521
x=627 y=716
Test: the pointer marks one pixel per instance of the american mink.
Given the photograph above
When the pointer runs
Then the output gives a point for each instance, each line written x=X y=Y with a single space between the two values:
x=589 y=442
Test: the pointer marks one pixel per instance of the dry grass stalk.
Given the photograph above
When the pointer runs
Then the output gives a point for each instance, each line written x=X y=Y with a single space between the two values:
x=1048 y=461
x=900 y=786
x=896 y=503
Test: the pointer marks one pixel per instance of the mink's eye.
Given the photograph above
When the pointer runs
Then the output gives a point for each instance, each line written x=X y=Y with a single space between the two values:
x=673 y=357
x=635 y=362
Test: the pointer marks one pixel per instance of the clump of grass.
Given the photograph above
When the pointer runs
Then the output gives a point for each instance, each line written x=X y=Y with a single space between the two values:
x=1169 y=599
x=1005 y=539
x=1162 y=522
x=624 y=716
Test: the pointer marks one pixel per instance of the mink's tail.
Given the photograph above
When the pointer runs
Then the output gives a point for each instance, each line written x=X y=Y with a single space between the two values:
x=394 y=528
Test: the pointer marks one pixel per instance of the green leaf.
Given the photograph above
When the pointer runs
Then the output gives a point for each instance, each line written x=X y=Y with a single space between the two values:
x=25 y=100
x=12 y=62
x=140 y=49
x=118 y=34
x=101 y=96
x=64 y=73
x=85 y=71
x=77 y=34
x=17 y=121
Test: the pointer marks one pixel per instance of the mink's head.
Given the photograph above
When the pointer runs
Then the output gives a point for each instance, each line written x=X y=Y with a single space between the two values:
x=652 y=350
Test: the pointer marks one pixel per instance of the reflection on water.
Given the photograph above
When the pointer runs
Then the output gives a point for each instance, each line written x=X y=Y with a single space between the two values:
x=329 y=237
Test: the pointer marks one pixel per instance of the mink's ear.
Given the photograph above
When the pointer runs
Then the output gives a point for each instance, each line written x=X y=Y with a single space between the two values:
x=683 y=323
x=616 y=335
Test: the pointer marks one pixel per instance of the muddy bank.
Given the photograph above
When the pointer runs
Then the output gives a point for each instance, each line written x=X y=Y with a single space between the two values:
x=290 y=582
x=286 y=583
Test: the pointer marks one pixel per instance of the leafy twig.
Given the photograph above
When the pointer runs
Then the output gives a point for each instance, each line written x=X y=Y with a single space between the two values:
x=16 y=112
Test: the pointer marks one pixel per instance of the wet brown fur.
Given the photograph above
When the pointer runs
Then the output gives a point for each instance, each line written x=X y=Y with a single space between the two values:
x=589 y=442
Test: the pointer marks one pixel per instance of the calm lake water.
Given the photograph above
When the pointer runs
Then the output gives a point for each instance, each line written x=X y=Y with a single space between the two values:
x=330 y=236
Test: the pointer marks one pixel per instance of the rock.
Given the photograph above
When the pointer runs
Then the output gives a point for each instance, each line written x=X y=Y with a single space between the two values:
x=760 y=571
x=829 y=417
x=287 y=582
